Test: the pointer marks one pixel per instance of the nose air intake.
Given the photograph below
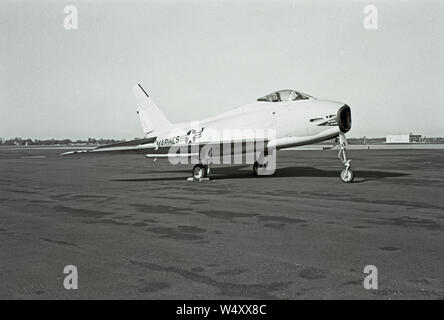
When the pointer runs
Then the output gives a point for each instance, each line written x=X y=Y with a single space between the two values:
x=344 y=118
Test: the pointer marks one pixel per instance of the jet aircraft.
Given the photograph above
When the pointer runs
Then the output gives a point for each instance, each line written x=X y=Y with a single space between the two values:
x=256 y=131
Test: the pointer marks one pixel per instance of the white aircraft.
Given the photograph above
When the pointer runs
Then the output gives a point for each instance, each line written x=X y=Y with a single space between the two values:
x=282 y=119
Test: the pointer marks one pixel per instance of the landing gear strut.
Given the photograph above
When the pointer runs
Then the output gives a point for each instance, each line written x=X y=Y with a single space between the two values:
x=347 y=174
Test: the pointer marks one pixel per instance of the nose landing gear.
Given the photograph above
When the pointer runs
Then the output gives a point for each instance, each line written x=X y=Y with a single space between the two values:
x=347 y=174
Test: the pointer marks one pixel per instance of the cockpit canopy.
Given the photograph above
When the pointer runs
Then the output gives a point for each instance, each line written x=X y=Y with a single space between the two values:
x=284 y=95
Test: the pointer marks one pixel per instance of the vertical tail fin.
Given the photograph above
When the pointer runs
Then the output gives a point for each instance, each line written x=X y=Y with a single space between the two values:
x=151 y=117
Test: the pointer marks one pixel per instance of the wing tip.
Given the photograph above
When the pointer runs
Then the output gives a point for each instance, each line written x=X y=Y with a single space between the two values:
x=69 y=153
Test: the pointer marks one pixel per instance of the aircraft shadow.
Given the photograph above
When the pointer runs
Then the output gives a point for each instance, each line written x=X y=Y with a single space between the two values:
x=245 y=172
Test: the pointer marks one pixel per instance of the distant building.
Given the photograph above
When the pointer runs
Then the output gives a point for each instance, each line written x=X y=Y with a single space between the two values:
x=403 y=138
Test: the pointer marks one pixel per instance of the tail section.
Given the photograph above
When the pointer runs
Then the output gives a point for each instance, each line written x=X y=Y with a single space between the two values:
x=151 y=117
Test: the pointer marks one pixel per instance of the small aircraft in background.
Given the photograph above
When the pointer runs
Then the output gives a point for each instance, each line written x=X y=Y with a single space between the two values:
x=282 y=119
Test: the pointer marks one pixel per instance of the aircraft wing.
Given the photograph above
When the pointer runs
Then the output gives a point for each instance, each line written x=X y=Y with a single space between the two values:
x=149 y=148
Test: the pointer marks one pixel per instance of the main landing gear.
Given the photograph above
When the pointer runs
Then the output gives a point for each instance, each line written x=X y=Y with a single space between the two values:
x=200 y=171
x=258 y=167
x=265 y=164
x=347 y=174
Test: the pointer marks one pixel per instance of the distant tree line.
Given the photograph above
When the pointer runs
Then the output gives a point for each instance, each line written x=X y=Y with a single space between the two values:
x=365 y=140
x=55 y=142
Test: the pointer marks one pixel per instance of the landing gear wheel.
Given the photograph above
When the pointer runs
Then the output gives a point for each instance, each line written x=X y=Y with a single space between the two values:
x=347 y=176
x=199 y=171
x=255 y=168
x=261 y=169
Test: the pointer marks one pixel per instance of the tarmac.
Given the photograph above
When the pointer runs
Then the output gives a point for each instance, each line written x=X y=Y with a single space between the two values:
x=136 y=229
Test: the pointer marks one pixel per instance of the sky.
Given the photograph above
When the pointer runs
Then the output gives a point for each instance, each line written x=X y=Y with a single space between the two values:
x=200 y=58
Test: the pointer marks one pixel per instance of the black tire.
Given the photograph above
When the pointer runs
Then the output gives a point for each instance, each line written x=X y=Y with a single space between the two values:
x=347 y=176
x=255 y=168
x=199 y=171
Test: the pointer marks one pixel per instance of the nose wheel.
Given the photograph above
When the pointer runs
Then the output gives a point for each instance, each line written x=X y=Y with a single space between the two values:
x=347 y=174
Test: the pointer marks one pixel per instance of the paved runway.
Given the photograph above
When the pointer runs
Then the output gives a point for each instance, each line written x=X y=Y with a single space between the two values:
x=136 y=229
